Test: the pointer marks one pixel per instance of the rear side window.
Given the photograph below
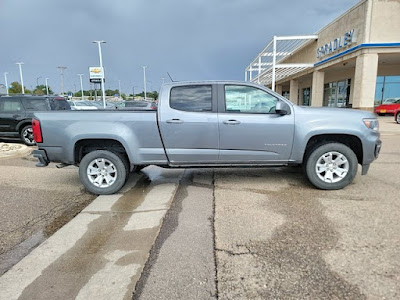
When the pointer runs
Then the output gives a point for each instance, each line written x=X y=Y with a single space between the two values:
x=136 y=104
x=59 y=104
x=195 y=98
x=8 y=105
x=36 y=104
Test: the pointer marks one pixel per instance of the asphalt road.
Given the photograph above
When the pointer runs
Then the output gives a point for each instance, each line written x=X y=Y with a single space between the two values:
x=274 y=236
x=34 y=203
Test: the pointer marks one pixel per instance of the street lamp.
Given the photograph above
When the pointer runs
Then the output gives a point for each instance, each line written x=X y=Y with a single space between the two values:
x=119 y=88
x=5 y=79
x=37 y=80
x=47 y=86
x=101 y=66
x=20 y=75
x=80 y=76
x=144 y=79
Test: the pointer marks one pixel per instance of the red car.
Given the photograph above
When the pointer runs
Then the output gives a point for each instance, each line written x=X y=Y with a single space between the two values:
x=389 y=106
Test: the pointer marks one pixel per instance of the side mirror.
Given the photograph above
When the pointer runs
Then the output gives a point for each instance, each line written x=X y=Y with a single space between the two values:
x=282 y=108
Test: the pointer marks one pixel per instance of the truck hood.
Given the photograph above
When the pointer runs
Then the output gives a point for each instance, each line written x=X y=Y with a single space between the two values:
x=334 y=113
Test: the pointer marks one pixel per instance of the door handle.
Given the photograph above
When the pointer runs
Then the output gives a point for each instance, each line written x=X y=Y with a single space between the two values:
x=16 y=116
x=231 y=122
x=175 y=121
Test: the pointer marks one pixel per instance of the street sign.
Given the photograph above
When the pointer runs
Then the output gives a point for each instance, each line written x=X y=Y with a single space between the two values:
x=96 y=74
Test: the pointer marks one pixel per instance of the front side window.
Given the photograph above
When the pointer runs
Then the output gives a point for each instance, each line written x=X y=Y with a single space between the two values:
x=8 y=105
x=194 y=98
x=247 y=99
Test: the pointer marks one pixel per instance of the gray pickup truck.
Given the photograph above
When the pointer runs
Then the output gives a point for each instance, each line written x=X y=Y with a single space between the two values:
x=209 y=124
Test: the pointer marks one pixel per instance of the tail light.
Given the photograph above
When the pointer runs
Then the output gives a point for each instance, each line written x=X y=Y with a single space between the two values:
x=37 y=132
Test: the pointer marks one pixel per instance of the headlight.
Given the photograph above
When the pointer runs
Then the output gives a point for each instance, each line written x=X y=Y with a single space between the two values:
x=372 y=124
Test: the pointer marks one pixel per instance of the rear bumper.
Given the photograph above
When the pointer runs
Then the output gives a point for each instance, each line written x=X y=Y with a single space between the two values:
x=42 y=157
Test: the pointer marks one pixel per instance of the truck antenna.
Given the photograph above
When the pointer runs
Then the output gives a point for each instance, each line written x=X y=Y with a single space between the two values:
x=170 y=77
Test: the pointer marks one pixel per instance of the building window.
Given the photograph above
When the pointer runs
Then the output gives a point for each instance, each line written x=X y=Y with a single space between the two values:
x=387 y=89
x=306 y=97
x=337 y=94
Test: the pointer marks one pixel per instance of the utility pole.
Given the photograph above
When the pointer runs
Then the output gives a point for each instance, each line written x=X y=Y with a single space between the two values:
x=119 y=88
x=101 y=66
x=62 y=78
x=80 y=76
x=20 y=75
x=47 y=86
x=144 y=79
x=5 y=79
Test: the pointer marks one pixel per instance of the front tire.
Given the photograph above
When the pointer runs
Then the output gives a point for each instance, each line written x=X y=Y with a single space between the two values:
x=102 y=172
x=398 y=118
x=331 y=166
x=27 y=135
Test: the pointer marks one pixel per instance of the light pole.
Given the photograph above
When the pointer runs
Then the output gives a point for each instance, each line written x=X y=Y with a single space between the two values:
x=20 y=75
x=47 y=86
x=119 y=88
x=37 y=80
x=5 y=79
x=101 y=66
x=80 y=76
x=144 y=80
x=163 y=80
x=62 y=78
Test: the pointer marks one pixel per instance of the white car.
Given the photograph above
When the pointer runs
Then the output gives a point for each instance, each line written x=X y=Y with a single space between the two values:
x=81 y=105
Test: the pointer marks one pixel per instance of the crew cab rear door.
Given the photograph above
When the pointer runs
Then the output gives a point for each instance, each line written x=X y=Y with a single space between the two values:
x=188 y=123
x=250 y=129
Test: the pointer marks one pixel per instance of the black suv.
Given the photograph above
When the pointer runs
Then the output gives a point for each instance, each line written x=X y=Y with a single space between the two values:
x=16 y=113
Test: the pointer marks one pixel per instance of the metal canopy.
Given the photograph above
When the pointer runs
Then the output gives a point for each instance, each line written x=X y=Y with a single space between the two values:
x=267 y=67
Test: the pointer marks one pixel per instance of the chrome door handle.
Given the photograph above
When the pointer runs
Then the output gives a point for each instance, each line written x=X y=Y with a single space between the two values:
x=175 y=121
x=231 y=122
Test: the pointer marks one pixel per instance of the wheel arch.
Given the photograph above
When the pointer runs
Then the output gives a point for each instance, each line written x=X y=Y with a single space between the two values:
x=85 y=146
x=352 y=141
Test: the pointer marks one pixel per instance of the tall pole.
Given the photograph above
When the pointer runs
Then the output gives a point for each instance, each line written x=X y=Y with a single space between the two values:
x=62 y=78
x=80 y=76
x=37 y=80
x=47 y=86
x=144 y=79
x=101 y=66
x=5 y=79
x=119 y=88
x=20 y=75
x=163 y=80
x=133 y=93
x=273 y=63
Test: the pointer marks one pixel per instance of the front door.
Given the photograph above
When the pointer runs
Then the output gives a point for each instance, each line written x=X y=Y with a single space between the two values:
x=250 y=130
x=189 y=124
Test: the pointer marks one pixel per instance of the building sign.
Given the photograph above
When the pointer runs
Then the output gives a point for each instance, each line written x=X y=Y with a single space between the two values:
x=347 y=39
x=96 y=74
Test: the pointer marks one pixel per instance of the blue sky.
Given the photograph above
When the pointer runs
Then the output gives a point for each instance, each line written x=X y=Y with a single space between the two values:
x=190 y=39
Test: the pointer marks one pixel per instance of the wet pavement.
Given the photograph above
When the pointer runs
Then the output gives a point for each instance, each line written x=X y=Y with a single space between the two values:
x=101 y=252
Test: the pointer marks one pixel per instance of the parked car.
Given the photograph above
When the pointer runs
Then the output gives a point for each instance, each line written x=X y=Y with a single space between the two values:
x=16 y=113
x=81 y=105
x=139 y=105
x=208 y=124
x=389 y=106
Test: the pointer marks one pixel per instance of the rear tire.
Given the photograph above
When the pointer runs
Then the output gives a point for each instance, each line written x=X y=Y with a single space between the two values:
x=27 y=136
x=331 y=166
x=102 y=172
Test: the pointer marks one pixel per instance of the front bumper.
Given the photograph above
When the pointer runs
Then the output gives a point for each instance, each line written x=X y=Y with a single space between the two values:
x=42 y=157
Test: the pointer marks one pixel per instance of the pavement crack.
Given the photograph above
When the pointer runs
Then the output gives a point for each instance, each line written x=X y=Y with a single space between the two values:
x=214 y=238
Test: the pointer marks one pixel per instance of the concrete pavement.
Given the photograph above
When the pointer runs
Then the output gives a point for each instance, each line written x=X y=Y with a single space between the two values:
x=101 y=252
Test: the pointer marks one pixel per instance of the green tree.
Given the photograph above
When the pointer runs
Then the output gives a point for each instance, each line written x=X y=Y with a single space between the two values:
x=41 y=90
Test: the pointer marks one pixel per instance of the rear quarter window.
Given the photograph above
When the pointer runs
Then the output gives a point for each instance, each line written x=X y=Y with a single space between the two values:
x=59 y=104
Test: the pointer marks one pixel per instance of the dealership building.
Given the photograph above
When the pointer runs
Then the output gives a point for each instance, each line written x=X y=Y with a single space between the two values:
x=354 y=61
